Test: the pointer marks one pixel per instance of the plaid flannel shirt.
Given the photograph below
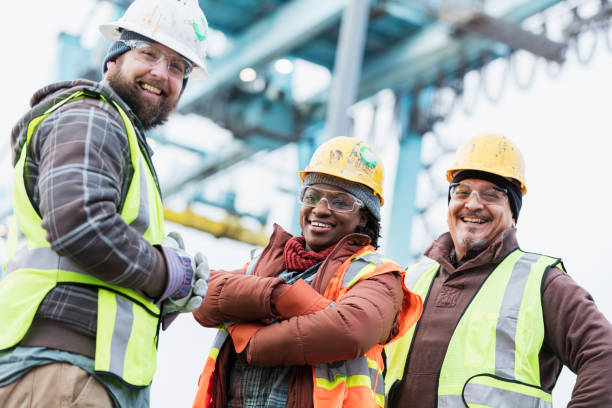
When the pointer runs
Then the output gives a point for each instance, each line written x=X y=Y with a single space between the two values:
x=76 y=175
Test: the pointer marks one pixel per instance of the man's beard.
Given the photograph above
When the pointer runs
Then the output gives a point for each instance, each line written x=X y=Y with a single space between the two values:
x=470 y=244
x=150 y=115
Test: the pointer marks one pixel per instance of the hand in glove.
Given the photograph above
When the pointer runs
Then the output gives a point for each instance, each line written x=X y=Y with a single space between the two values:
x=185 y=291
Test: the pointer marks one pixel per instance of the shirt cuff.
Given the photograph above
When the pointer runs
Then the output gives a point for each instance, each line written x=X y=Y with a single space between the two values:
x=180 y=274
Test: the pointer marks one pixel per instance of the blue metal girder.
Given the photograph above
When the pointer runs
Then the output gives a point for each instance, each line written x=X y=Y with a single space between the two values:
x=306 y=148
x=71 y=57
x=347 y=67
x=413 y=13
x=397 y=241
x=249 y=115
x=257 y=124
x=293 y=24
x=421 y=58
x=162 y=139
x=385 y=28
x=211 y=164
x=234 y=16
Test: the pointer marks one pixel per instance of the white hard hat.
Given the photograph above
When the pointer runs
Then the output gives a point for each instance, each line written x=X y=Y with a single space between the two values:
x=179 y=25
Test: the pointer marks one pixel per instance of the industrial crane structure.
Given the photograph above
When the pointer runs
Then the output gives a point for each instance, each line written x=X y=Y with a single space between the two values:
x=418 y=52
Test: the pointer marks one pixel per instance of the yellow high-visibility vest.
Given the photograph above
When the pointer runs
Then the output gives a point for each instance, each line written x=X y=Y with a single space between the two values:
x=492 y=357
x=127 y=327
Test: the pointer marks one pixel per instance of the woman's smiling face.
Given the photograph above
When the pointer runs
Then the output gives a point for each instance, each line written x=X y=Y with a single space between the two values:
x=323 y=227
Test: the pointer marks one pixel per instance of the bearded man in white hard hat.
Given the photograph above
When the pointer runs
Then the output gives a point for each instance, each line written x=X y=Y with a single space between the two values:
x=91 y=275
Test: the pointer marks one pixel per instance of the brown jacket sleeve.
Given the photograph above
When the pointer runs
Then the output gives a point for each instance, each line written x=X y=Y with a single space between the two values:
x=234 y=296
x=364 y=317
x=581 y=337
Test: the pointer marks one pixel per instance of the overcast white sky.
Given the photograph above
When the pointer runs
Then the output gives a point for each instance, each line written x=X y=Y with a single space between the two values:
x=561 y=125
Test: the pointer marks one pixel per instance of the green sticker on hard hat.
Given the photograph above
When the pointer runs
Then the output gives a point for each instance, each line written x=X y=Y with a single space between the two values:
x=201 y=33
x=368 y=156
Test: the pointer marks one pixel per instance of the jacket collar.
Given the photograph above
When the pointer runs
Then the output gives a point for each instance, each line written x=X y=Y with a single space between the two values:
x=273 y=252
x=53 y=93
x=442 y=251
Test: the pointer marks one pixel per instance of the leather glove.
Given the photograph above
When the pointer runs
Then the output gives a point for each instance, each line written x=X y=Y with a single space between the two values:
x=187 y=277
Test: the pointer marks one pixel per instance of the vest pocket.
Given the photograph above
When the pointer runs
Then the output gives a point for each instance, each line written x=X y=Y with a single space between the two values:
x=486 y=390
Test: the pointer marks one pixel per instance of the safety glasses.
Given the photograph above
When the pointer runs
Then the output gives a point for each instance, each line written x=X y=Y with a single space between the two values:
x=336 y=200
x=488 y=195
x=178 y=67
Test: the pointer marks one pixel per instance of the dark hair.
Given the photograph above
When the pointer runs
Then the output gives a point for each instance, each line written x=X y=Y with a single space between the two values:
x=371 y=229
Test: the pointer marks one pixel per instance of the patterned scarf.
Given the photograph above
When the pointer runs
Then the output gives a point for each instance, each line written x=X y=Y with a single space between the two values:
x=296 y=258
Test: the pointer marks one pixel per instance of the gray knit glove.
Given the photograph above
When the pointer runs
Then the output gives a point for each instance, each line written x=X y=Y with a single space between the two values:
x=187 y=277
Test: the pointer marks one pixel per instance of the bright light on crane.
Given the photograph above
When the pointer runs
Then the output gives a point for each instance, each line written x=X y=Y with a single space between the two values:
x=248 y=74
x=283 y=66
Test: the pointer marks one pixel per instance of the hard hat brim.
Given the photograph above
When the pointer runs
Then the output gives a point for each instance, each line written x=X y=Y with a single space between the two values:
x=112 y=32
x=450 y=174
x=378 y=194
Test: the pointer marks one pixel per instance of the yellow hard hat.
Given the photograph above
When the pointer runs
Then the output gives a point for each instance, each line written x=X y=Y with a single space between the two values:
x=350 y=159
x=492 y=154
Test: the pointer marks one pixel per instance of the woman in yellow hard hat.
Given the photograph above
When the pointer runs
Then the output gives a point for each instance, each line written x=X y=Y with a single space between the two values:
x=304 y=323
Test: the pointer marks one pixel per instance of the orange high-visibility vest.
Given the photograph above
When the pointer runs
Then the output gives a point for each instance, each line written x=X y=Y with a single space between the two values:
x=356 y=383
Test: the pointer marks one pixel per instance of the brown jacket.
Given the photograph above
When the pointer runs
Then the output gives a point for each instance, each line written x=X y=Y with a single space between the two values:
x=364 y=317
x=576 y=333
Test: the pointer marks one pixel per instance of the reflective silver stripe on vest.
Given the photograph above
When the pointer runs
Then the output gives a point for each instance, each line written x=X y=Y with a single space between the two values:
x=251 y=267
x=220 y=338
x=37 y=258
x=380 y=387
x=498 y=398
x=40 y=258
x=358 y=264
x=359 y=366
x=413 y=276
x=121 y=334
x=141 y=222
x=450 y=401
x=505 y=338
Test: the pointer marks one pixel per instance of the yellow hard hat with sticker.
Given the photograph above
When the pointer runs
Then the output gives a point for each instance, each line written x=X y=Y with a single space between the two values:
x=350 y=159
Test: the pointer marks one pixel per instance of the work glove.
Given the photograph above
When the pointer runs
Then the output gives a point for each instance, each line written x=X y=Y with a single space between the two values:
x=187 y=276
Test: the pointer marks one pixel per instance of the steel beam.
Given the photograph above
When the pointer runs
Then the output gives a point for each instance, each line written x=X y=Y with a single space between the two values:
x=414 y=13
x=159 y=137
x=511 y=34
x=293 y=24
x=411 y=62
x=306 y=147
x=403 y=210
x=347 y=67
x=230 y=227
x=211 y=164
x=256 y=123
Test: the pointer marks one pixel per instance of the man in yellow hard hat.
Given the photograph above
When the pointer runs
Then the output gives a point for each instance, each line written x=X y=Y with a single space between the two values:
x=90 y=275
x=499 y=323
